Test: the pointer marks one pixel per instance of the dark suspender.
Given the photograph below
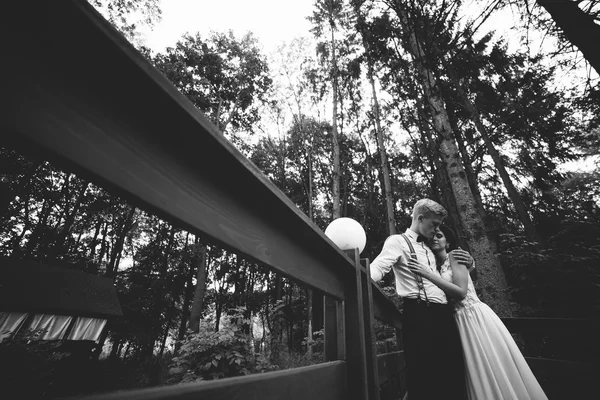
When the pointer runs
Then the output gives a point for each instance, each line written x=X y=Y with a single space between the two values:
x=419 y=278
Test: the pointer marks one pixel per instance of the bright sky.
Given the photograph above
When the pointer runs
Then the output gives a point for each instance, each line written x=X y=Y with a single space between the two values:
x=272 y=21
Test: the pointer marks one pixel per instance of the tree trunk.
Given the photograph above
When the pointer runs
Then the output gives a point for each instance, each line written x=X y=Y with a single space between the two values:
x=218 y=311
x=103 y=244
x=187 y=298
x=18 y=239
x=441 y=182
x=369 y=181
x=38 y=232
x=276 y=328
x=383 y=160
x=114 y=351
x=578 y=26
x=163 y=342
x=334 y=129
x=513 y=193
x=61 y=242
x=64 y=194
x=124 y=229
x=310 y=185
x=77 y=241
x=491 y=279
x=468 y=164
x=196 y=311
x=95 y=239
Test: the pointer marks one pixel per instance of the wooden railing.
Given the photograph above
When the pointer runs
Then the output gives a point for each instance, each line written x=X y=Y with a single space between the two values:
x=79 y=94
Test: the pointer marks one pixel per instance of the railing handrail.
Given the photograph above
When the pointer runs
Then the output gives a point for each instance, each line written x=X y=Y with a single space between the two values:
x=322 y=381
x=83 y=116
x=520 y=324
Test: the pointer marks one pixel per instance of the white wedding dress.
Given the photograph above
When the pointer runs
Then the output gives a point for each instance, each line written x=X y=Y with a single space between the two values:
x=495 y=367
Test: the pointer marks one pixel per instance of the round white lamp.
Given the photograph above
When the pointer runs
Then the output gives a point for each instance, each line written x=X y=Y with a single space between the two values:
x=347 y=234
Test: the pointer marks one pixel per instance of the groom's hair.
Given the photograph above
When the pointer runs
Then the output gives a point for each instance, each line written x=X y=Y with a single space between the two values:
x=428 y=207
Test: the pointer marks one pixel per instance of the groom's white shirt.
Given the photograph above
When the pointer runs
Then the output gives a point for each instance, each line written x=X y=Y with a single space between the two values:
x=395 y=254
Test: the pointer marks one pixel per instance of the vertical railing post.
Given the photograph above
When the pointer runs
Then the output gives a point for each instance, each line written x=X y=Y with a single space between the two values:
x=356 y=357
x=361 y=359
x=401 y=371
x=364 y=277
x=335 y=345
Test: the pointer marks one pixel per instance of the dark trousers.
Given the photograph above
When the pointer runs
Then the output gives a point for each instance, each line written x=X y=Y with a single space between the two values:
x=435 y=367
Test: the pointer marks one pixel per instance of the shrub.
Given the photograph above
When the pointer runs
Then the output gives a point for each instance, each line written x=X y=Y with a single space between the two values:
x=208 y=355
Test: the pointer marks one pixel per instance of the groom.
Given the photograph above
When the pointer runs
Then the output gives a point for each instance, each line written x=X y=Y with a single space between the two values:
x=432 y=347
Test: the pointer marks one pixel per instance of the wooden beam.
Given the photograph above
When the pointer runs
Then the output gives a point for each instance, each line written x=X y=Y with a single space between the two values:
x=79 y=92
x=316 y=382
x=103 y=111
x=549 y=368
x=549 y=325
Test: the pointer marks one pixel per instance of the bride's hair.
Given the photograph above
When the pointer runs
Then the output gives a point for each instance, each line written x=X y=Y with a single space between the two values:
x=451 y=239
x=451 y=243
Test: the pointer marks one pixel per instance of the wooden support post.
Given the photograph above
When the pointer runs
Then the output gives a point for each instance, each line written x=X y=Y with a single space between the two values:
x=361 y=361
x=364 y=277
x=402 y=366
x=399 y=343
x=356 y=358
x=335 y=346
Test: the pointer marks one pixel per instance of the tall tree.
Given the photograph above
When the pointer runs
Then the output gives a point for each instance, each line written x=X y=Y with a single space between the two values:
x=491 y=277
x=329 y=12
x=228 y=80
x=511 y=189
x=363 y=28
x=200 y=289
x=225 y=77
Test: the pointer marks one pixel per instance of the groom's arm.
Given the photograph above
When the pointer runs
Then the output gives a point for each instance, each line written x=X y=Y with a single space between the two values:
x=390 y=253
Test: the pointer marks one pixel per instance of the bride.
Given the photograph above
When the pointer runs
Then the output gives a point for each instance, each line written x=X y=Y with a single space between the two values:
x=495 y=367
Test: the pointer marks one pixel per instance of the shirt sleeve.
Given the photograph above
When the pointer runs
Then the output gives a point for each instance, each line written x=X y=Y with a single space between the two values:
x=382 y=264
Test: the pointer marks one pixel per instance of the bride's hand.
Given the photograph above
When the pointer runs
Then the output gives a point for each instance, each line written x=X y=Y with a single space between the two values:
x=417 y=268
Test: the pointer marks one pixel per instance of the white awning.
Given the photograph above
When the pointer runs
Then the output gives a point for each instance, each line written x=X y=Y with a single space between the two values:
x=55 y=326
x=10 y=322
x=87 y=329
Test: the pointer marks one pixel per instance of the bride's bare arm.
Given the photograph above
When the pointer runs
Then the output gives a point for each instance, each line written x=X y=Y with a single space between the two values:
x=460 y=275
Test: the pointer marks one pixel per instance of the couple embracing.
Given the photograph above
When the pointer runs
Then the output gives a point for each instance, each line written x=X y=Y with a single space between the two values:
x=455 y=350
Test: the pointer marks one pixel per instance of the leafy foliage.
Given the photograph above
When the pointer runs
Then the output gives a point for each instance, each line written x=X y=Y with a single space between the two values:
x=209 y=355
x=225 y=77
x=129 y=15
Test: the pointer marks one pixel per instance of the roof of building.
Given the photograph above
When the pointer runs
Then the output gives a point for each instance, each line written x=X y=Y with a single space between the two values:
x=30 y=286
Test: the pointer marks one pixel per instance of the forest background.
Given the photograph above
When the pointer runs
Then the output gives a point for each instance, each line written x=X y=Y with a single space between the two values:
x=380 y=104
